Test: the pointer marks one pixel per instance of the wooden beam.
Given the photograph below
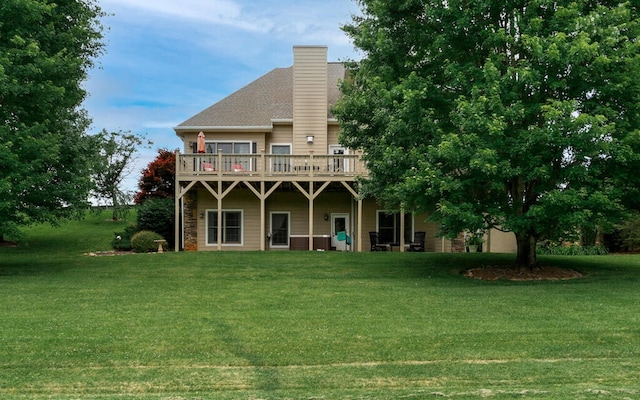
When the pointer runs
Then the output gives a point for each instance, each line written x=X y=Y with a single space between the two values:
x=359 y=245
x=211 y=190
x=255 y=191
x=303 y=190
x=402 y=230
x=350 y=189
x=270 y=191
x=180 y=193
x=311 y=201
x=229 y=189
x=322 y=188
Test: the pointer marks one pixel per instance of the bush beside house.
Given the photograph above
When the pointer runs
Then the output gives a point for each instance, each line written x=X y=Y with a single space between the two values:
x=157 y=215
x=144 y=242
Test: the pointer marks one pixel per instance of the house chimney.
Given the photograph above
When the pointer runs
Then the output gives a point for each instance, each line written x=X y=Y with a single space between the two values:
x=310 y=99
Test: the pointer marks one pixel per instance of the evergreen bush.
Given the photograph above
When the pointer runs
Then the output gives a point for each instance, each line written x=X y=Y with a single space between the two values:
x=143 y=242
x=122 y=240
x=157 y=215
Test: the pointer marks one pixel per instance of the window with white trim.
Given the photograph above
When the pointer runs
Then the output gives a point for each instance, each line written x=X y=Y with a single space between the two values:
x=231 y=227
x=388 y=226
x=228 y=147
x=237 y=155
x=280 y=164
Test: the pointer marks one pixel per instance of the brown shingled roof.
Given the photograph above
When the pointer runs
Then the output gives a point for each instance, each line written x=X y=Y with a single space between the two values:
x=268 y=97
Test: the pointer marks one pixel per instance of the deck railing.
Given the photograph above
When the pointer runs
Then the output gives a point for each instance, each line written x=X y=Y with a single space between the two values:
x=270 y=165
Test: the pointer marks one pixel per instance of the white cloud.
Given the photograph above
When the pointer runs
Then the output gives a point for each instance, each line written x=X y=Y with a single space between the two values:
x=166 y=60
x=222 y=12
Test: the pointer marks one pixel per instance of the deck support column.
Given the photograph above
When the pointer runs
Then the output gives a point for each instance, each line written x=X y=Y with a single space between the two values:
x=177 y=201
x=311 y=201
x=402 y=230
x=359 y=245
x=263 y=218
x=219 y=224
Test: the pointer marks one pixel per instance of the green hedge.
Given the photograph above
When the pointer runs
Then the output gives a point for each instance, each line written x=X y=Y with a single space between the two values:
x=143 y=242
x=157 y=215
x=572 y=250
x=122 y=240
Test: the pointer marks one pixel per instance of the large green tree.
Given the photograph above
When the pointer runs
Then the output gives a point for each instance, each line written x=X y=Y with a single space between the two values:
x=517 y=114
x=46 y=49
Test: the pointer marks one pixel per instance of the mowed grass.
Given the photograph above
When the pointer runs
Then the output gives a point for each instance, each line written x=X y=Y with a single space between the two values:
x=307 y=325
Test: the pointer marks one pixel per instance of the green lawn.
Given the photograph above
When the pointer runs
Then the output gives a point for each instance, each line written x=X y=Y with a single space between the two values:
x=307 y=325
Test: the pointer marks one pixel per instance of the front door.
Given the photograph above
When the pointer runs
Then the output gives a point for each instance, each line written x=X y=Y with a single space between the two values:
x=280 y=229
x=339 y=223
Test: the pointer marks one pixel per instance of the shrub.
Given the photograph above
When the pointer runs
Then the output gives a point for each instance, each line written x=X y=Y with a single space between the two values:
x=122 y=240
x=630 y=233
x=143 y=242
x=157 y=215
x=572 y=250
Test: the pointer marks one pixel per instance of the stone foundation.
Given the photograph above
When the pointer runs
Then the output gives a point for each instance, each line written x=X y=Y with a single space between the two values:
x=190 y=218
x=457 y=244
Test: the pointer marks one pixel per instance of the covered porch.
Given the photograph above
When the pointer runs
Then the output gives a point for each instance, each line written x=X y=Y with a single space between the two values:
x=262 y=175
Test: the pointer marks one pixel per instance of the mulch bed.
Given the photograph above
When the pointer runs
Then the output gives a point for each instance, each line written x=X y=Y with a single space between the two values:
x=107 y=253
x=494 y=273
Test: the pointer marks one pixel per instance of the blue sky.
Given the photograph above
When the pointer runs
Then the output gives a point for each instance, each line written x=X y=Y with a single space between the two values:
x=166 y=60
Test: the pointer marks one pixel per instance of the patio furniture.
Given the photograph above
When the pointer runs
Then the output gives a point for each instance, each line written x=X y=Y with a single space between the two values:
x=375 y=245
x=343 y=237
x=418 y=242
x=238 y=168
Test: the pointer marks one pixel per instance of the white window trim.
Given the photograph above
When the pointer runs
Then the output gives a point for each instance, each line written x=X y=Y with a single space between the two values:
x=280 y=144
x=232 y=142
x=287 y=161
x=345 y=166
x=206 y=227
x=280 y=246
x=337 y=146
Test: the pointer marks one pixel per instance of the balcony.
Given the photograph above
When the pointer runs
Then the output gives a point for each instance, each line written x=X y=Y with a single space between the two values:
x=270 y=166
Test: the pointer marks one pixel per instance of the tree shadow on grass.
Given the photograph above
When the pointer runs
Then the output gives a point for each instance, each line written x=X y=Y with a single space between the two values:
x=266 y=377
x=22 y=262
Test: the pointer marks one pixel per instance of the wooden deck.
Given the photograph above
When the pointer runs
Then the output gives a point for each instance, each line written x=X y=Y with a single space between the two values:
x=257 y=167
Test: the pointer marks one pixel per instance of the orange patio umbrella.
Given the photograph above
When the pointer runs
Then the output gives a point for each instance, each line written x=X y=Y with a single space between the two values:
x=201 y=143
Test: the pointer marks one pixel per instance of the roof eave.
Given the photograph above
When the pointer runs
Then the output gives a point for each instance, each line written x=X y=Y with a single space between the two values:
x=186 y=129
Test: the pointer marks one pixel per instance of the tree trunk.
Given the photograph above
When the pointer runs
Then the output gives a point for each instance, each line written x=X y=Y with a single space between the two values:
x=114 y=201
x=588 y=237
x=526 y=257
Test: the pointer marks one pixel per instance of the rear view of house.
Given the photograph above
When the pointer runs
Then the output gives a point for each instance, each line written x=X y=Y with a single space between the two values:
x=263 y=169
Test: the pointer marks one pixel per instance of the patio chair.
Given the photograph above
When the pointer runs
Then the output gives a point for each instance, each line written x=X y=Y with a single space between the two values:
x=343 y=237
x=418 y=242
x=238 y=168
x=206 y=166
x=375 y=245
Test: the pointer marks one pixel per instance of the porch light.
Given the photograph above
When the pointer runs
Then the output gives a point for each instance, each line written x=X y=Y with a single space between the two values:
x=326 y=216
x=309 y=139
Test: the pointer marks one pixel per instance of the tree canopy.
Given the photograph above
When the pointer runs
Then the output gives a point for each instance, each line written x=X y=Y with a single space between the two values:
x=46 y=50
x=158 y=178
x=517 y=114
x=113 y=163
